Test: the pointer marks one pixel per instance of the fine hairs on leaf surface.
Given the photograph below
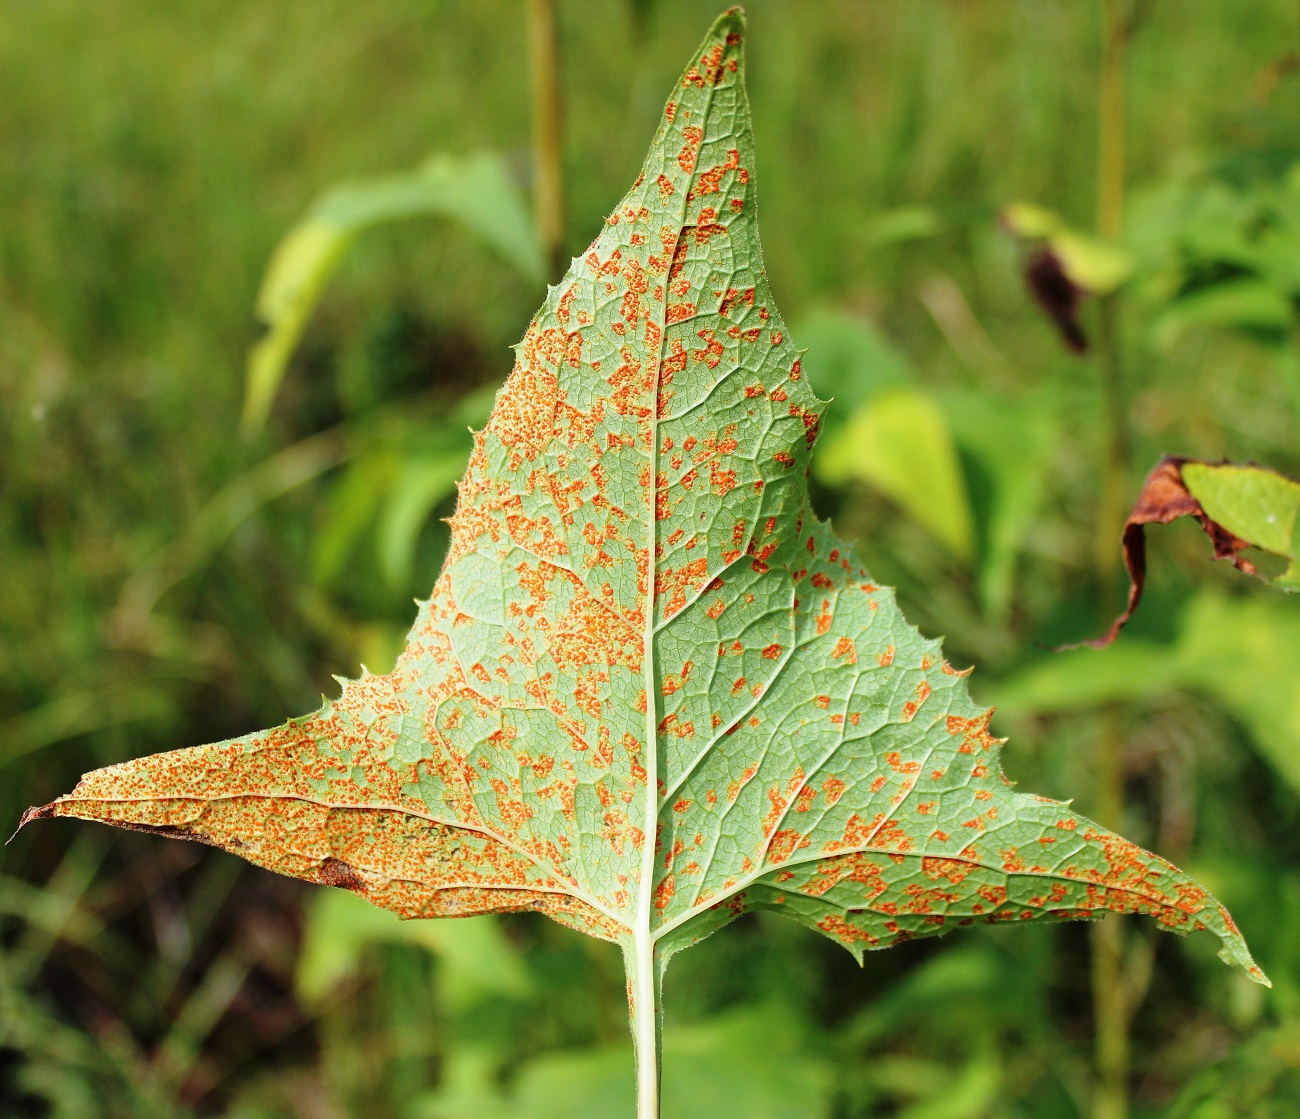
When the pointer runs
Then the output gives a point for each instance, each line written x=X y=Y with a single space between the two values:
x=651 y=691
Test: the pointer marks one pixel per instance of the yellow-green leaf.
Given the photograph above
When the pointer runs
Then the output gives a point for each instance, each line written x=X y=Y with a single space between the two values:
x=474 y=190
x=1255 y=504
x=900 y=443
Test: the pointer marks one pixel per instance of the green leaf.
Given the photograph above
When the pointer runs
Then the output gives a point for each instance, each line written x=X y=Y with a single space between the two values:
x=1012 y=441
x=900 y=443
x=1079 y=679
x=849 y=362
x=478 y=962
x=1242 y=652
x=904 y=223
x=651 y=691
x=474 y=190
x=1254 y=503
x=423 y=483
x=1091 y=263
x=387 y=493
x=749 y=1064
x=1249 y=305
x=1245 y=652
x=966 y=1095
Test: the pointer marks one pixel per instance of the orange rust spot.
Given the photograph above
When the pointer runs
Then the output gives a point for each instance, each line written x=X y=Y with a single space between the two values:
x=974 y=732
x=784 y=844
x=709 y=71
x=733 y=789
x=895 y=762
x=844 y=932
x=710 y=181
x=736 y=297
x=664 y=892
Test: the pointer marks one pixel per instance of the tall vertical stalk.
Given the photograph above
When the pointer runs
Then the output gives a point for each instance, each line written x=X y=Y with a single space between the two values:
x=1112 y=1001
x=548 y=153
x=1112 y=1005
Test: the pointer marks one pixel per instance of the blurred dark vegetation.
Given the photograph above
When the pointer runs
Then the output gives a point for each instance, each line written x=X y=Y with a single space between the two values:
x=165 y=582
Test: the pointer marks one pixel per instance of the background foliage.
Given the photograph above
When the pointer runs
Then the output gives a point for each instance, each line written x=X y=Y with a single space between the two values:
x=168 y=582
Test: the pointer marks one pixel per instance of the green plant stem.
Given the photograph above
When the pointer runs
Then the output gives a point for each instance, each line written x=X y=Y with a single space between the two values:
x=1111 y=146
x=548 y=155
x=1117 y=457
x=644 y=1006
x=1112 y=1004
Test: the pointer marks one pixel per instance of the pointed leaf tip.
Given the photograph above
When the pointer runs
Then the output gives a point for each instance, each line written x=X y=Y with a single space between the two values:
x=36 y=812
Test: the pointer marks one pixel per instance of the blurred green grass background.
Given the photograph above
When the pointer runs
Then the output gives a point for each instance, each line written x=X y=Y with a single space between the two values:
x=165 y=582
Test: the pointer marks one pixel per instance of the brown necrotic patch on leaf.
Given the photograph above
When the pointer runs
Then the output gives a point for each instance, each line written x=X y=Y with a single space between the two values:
x=335 y=872
x=1164 y=498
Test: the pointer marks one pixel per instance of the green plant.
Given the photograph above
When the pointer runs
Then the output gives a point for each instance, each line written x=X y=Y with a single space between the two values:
x=349 y=797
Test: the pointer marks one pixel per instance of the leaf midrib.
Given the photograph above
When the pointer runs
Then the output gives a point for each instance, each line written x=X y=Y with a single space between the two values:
x=643 y=933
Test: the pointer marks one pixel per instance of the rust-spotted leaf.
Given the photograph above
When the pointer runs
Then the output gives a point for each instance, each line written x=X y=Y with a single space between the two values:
x=650 y=690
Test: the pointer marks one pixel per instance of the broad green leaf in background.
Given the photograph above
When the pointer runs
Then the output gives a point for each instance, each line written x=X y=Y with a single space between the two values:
x=1255 y=504
x=882 y=429
x=651 y=691
x=909 y=451
x=751 y=1064
x=1011 y=442
x=901 y=444
x=1243 y=652
x=384 y=498
x=904 y=223
x=387 y=492
x=341 y=926
x=1249 y=305
x=1213 y=252
x=964 y=1093
x=474 y=190
x=849 y=363
x=423 y=483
